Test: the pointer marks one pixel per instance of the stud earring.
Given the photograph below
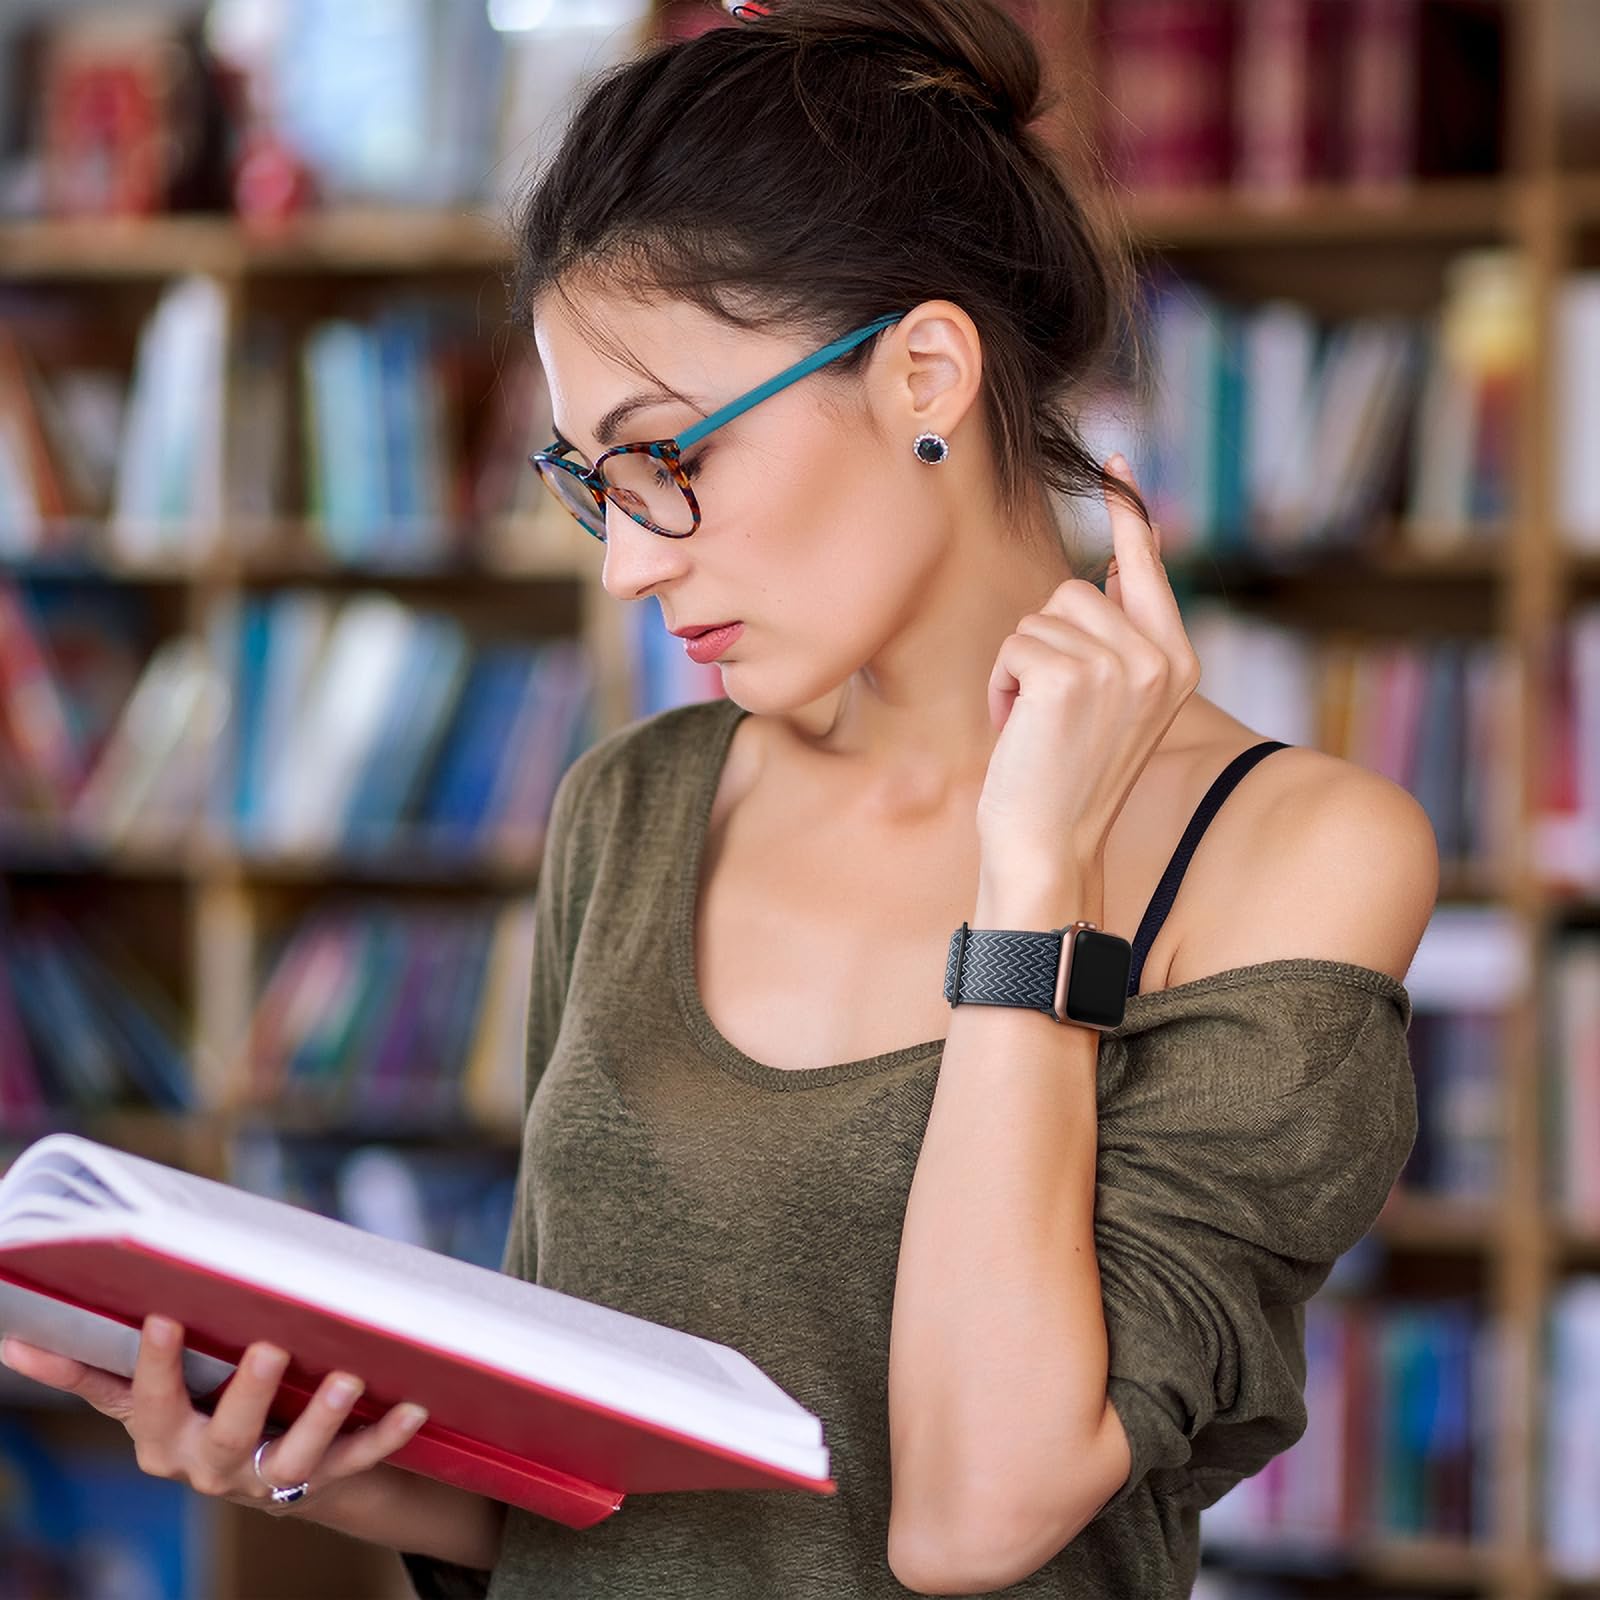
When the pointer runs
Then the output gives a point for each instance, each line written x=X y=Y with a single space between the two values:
x=931 y=447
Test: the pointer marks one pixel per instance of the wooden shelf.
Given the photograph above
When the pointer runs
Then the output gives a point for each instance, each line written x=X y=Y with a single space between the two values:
x=1427 y=1222
x=46 y=855
x=1420 y=1564
x=354 y=240
x=1482 y=560
x=1580 y=198
x=540 y=548
x=1510 y=583
x=1449 y=210
x=342 y=240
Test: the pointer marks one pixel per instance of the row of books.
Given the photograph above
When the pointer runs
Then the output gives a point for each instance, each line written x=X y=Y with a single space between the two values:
x=355 y=724
x=396 y=1019
x=1266 y=428
x=83 y=1028
x=421 y=102
x=1577 y=409
x=1270 y=96
x=1571 y=1477
x=1472 y=966
x=1564 y=836
x=1400 y=1403
x=390 y=439
x=1570 y=1003
x=1432 y=714
x=413 y=437
x=363 y=724
x=1458 y=1059
x=308 y=723
x=380 y=1016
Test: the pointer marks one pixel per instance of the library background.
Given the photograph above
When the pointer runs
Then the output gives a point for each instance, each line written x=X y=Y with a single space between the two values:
x=293 y=653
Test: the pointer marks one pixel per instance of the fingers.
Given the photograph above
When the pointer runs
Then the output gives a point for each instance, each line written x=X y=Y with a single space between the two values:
x=297 y=1456
x=1077 y=622
x=309 y=1450
x=105 y=1391
x=1139 y=588
x=160 y=1411
x=319 y=1457
x=214 y=1454
x=225 y=1442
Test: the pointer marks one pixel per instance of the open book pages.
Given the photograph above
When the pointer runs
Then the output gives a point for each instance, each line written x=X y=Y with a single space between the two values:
x=65 y=1187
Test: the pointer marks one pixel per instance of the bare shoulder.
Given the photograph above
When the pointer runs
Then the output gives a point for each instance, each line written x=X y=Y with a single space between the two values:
x=1329 y=859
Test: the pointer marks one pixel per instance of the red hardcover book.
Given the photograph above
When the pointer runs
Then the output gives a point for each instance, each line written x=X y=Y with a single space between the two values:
x=33 y=706
x=536 y=1398
x=1285 y=93
x=1381 y=67
x=1166 y=71
x=106 y=117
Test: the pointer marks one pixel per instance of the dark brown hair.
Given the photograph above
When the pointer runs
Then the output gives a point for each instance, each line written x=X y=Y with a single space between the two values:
x=833 y=162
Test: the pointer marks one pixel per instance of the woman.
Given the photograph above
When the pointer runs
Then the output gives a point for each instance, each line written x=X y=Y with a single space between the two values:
x=1042 y=1279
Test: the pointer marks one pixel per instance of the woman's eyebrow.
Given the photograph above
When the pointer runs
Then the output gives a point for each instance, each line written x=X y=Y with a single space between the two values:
x=610 y=425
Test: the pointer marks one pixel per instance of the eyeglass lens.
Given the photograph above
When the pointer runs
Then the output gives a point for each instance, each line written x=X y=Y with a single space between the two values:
x=638 y=482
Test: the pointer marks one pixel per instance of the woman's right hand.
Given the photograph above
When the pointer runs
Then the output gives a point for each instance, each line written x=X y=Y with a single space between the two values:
x=213 y=1454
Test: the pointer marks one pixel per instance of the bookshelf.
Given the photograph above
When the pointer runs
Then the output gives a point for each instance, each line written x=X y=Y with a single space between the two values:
x=206 y=907
x=1347 y=252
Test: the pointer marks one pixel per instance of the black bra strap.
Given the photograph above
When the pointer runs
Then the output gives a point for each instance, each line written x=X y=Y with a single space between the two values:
x=1167 y=889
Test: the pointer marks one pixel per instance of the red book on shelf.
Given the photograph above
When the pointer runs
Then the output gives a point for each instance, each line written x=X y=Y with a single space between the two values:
x=1379 y=96
x=1285 y=93
x=1166 y=71
x=536 y=1398
x=105 y=118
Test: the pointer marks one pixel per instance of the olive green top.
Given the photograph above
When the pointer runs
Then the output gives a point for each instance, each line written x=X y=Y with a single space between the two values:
x=1251 y=1124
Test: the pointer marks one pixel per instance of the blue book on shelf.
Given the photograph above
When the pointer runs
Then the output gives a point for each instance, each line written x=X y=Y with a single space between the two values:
x=150 y=1058
x=469 y=763
x=1231 y=448
x=430 y=686
x=461 y=1019
x=255 y=644
x=321 y=1063
x=60 y=1025
x=343 y=399
x=400 y=340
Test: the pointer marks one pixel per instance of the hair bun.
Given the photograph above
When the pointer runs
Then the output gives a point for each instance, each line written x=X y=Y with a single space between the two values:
x=978 y=51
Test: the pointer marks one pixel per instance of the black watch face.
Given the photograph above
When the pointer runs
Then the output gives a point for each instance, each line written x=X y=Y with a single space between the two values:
x=1097 y=979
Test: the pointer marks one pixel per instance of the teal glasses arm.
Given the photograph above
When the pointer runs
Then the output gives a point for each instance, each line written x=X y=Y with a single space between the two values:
x=789 y=375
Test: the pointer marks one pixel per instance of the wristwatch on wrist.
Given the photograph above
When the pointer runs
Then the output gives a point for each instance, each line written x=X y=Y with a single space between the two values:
x=1073 y=974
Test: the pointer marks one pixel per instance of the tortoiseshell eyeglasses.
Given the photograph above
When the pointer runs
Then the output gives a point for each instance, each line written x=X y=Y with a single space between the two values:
x=651 y=482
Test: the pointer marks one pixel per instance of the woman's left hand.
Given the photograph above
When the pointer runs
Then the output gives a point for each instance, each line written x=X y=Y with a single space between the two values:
x=1082 y=693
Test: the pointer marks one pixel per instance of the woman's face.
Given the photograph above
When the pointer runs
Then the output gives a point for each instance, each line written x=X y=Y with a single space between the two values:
x=819 y=528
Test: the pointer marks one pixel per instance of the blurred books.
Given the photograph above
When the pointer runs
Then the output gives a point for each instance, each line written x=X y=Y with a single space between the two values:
x=396 y=1019
x=1432 y=715
x=1265 y=431
x=1269 y=96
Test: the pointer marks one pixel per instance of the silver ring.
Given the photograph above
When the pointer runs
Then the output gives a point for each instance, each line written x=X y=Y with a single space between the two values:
x=287 y=1495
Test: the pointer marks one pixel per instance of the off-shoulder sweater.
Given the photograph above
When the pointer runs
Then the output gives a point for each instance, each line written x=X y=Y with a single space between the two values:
x=1251 y=1123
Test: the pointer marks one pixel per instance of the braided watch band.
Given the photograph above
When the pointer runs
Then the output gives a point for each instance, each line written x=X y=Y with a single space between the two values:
x=1077 y=974
x=1003 y=967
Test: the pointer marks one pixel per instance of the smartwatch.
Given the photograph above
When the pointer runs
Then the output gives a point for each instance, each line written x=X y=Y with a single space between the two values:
x=1075 y=974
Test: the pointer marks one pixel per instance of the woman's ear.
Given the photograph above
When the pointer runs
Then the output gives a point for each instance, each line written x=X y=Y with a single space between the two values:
x=937 y=370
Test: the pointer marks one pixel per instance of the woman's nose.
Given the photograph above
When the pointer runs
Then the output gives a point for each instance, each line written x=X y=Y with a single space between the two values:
x=637 y=559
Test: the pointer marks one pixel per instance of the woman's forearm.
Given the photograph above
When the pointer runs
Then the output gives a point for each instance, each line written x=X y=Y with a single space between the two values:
x=998 y=1344
x=405 y=1511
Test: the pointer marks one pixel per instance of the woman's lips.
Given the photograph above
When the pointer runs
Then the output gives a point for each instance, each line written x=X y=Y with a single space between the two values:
x=706 y=647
